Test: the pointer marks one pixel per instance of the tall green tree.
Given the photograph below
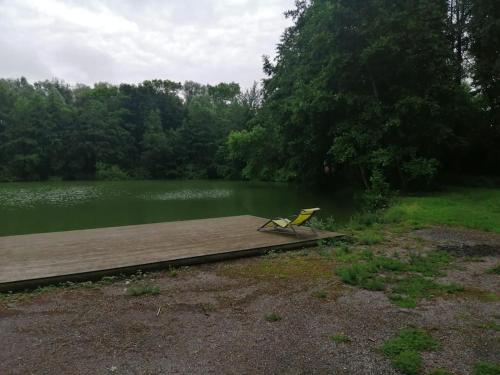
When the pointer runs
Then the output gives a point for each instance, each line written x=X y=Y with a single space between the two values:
x=361 y=88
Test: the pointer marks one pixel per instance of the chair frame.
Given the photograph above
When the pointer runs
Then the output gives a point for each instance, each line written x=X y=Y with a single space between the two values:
x=291 y=226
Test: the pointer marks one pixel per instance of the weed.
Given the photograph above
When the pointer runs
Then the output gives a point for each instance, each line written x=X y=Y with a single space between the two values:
x=321 y=294
x=408 y=362
x=271 y=254
x=143 y=289
x=273 y=317
x=486 y=368
x=404 y=349
x=172 y=272
x=325 y=224
x=430 y=263
x=408 y=290
x=108 y=279
x=207 y=307
x=340 y=338
x=495 y=270
x=374 y=272
x=473 y=258
x=409 y=339
x=440 y=371
x=369 y=237
x=362 y=275
x=492 y=325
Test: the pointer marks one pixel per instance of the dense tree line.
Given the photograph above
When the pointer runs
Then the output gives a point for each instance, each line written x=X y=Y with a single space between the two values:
x=382 y=93
x=157 y=129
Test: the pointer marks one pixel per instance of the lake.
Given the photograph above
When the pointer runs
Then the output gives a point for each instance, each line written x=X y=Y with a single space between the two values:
x=37 y=207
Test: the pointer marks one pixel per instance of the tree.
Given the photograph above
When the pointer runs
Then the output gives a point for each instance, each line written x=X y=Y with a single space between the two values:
x=157 y=150
x=362 y=88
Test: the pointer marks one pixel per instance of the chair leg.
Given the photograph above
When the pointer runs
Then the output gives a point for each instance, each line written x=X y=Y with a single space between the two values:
x=262 y=227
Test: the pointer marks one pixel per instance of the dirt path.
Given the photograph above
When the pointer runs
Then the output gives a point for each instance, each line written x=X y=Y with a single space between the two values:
x=211 y=319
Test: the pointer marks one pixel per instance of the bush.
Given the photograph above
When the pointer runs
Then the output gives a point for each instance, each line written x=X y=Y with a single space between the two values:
x=378 y=195
x=110 y=172
x=420 y=172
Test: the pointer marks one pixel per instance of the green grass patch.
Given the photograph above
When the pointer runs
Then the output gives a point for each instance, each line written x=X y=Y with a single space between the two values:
x=362 y=275
x=492 y=325
x=369 y=237
x=340 y=338
x=407 y=291
x=474 y=208
x=486 y=368
x=320 y=294
x=407 y=280
x=143 y=289
x=495 y=270
x=273 y=317
x=440 y=371
x=404 y=349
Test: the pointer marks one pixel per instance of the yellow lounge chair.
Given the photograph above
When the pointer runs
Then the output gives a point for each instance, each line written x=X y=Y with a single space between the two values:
x=285 y=224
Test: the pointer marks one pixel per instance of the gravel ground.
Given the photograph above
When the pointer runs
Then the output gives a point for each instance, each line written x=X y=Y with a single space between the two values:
x=211 y=319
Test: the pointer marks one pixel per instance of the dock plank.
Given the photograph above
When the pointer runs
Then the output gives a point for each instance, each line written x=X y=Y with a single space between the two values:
x=28 y=260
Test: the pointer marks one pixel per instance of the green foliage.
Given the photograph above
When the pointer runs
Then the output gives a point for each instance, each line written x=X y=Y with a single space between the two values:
x=143 y=289
x=408 y=362
x=112 y=132
x=486 y=368
x=352 y=93
x=378 y=195
x=320 y=294
x=110 y=172
x=340 y=338
x=404 y=349
x=362 y=275
x=408 y=290
x=440 y=371
x=466 y=207
x=369 y=237
x=495 y=270
x=494 y=326
x=405 y=279
x=273 y=317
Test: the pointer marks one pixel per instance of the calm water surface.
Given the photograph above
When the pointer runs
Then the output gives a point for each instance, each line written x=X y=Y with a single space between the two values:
x=58 y=206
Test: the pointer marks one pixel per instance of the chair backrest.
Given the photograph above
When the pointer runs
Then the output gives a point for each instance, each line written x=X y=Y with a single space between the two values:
x=305 y=215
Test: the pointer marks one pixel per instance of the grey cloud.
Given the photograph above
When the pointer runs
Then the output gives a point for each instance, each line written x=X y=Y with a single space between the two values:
x=129 y=41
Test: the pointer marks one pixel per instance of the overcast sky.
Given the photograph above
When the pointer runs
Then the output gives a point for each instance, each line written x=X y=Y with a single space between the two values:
x=87 y=41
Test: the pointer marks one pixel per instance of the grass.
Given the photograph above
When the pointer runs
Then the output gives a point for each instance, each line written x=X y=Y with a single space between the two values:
x=492 y=325
x=495 y=270
x=340 y=338
x=486 y=368
x=370 y=237
x=286 y=265
x=475 y=208
x=440 y=371
x=273 y=317
x=320 y=294
x=408 y=290
x=404 y=349
x=143 y=289
x=407 y=280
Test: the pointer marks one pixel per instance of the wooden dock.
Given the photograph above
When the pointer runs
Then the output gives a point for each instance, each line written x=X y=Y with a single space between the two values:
x=31 y=260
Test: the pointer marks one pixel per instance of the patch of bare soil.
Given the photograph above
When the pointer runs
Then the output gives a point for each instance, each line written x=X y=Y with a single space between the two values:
x=463 y=242
x=211 y=319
